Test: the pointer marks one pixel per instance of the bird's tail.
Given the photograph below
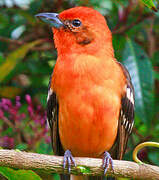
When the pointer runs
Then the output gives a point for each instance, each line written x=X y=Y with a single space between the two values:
x=91 y=178
x=101 y=178
x=73 y=177
x=64 y=177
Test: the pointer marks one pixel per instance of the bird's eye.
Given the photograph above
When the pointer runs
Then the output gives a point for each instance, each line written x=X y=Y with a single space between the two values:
x=76 y=23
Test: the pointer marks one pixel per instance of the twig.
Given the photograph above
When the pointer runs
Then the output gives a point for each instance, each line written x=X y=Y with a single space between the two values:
x=142 y=138
x=126 y=28
x=43 y=48
x=8 y=122
x=151 y=38
x=19 y=42
x=89 y=166
x=138 y=134
x=8 y=40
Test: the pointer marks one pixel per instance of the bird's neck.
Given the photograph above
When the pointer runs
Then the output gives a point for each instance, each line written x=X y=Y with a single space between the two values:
x=105 y=51
x=67 y=45
x=70 y=71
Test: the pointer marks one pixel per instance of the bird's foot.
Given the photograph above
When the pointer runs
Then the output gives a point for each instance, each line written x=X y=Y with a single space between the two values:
x=106 y=161
x=68 y=160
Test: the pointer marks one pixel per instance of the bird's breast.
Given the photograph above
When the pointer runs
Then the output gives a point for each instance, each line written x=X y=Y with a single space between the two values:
x=88 y=120
x=89 y=106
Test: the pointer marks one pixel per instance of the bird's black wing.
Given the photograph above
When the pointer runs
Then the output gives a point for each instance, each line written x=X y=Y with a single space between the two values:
x=126 y=117
x=52 y=116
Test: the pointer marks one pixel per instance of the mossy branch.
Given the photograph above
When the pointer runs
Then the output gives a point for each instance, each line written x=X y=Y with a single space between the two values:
x=86 y=166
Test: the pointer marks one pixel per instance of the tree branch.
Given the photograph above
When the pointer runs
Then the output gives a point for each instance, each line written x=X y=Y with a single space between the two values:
x=123 y=29
x=8 y=40
x=89 y=166
x=19 y=42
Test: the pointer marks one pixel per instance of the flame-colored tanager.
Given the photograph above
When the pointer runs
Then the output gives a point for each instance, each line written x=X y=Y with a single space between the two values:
x=90 y=105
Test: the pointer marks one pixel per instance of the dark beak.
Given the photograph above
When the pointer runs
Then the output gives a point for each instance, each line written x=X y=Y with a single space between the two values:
x=51 y=18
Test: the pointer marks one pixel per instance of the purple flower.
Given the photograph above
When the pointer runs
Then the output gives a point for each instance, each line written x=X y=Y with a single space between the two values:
x=1 y=114
x=17 y=102
x=5 y=104
x=27 y=127
x=7 y=142
x=121 y=14
x=28 y=99
x=31 y=111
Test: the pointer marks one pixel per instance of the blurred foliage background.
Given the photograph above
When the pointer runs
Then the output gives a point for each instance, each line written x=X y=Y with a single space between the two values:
x=27 y=57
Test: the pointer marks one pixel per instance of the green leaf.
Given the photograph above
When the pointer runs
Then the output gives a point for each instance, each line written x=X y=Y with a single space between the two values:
x=156 y=75
x=56 y=177
x=153 y=156
x=15 y=57
x=43 y=148
x=1 y=58
x=140 y=69
x=150 y=4
x=84 y=170
x=21 y=146
x=12 y=174
x=118 y=47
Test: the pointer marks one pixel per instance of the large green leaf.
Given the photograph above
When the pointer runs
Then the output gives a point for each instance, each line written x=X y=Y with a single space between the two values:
x=14 y=57
x=140 y=69
x=150 y=4
x=12 y=174
x=119 y=45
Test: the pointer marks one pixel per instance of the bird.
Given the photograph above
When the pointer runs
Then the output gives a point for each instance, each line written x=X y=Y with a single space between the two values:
x=90 y=103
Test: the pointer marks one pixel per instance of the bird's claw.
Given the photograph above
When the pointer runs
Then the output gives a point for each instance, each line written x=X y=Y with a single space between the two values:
x=68 y=160
x=106 y=161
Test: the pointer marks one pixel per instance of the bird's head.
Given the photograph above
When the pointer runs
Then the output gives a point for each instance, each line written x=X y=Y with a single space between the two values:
x=79 y=30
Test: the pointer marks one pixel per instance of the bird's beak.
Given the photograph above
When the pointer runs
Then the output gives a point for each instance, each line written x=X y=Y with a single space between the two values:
x=51 y=18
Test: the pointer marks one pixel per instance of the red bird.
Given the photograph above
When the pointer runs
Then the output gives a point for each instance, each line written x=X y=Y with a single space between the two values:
x=90 y=105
